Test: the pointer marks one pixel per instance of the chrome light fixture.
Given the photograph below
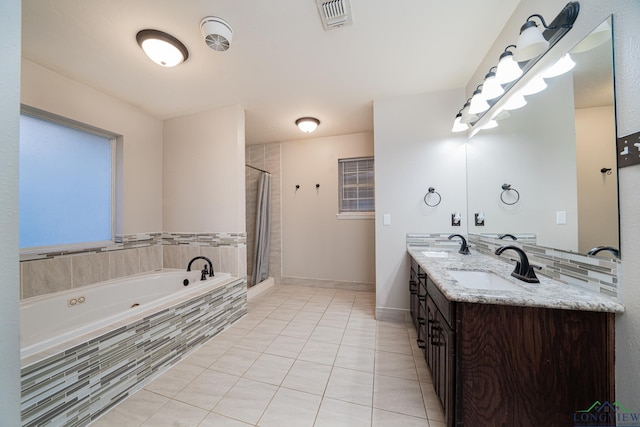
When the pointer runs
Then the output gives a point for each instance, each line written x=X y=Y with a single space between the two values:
x=491 y=88
x=162 y=48
x=307 y=124
x=458 y=126
x=508 y=69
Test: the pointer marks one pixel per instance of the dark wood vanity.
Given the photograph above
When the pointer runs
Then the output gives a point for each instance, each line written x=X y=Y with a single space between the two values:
x=507 y=365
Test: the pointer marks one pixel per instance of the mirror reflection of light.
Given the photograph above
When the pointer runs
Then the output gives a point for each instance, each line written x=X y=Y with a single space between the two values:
x=563 y=65
x=490 y=125
x=535 y=85
x=514 y=102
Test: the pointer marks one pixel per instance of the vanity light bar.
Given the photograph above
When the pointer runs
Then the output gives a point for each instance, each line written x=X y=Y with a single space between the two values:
x=552 y=34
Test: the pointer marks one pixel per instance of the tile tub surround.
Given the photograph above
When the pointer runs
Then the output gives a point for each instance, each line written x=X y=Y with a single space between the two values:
x=548 y=293
x=47 y=272
x=74 y=385
x=323 y=360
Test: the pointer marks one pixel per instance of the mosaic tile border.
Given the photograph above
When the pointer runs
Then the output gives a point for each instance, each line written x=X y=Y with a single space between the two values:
x=205 y=239
x=77 y=385
x=600 y=275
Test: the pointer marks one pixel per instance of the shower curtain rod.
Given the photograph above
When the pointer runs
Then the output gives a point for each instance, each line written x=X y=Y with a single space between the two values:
x=258 y=169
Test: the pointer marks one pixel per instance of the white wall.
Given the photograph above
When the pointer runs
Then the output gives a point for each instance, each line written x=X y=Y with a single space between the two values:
x=414 y=150
x=9 y=278
x=597 y=192
x=315 y=244
x=626 y=15
x=142 y=138
x=534 y=150
x=204 y=180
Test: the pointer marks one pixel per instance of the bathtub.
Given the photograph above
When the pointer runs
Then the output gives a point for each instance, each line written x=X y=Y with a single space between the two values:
x=50 y=320
x=85 y=349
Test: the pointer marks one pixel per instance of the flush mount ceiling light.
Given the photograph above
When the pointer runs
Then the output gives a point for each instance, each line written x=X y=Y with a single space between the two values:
x=508 y=69
x=307 y=124
x=162 y=48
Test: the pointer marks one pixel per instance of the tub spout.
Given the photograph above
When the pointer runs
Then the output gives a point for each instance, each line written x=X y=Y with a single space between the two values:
x=204 y=271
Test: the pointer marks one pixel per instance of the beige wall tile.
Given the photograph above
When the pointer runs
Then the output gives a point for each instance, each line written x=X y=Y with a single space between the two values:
x=150 y=258
x=187 y=253
x=229 y=260
x=124 y=263
x=89 y=268
x=46 y=276
x=213 y=253
x=171 y=256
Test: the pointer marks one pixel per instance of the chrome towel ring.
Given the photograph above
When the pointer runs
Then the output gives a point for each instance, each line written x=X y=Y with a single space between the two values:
x=506 y=188
x=432 y=192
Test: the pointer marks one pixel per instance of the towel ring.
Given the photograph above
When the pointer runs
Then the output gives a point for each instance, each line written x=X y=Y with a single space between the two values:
x=432 y=191
x=505 y=189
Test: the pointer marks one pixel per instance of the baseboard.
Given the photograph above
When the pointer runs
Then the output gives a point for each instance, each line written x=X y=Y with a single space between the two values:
x=261 y=287
x=392 y=314
x=331 y=284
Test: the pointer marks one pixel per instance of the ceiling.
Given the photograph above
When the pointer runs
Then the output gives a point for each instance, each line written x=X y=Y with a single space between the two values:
x=281 y=65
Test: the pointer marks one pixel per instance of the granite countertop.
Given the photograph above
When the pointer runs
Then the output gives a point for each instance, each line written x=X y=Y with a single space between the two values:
x=548 y=293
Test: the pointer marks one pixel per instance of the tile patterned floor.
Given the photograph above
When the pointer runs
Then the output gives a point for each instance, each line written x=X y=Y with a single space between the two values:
x=300 y=357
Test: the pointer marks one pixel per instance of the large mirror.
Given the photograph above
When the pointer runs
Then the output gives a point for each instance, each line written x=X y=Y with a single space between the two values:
x=550 y=167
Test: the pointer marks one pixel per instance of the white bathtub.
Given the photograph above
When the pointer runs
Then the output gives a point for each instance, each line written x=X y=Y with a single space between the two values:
x=50 y=320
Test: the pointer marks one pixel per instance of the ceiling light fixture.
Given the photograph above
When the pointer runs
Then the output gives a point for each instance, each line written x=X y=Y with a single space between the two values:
x=162 y=48
x=307 y=124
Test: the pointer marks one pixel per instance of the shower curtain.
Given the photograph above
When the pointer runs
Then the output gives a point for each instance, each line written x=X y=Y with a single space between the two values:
x=263 y=230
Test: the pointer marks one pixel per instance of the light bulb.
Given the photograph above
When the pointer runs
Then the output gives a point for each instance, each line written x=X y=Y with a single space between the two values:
x=458 y=126
x=491 y=88
x=508 y=69
x=531 y=42
x=478 y=103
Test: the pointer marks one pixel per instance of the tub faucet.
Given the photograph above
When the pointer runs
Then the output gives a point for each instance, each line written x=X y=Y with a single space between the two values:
x=597 y=249
x=511 y=236
x=204 y=270
x=523 y=270
x=464 y=249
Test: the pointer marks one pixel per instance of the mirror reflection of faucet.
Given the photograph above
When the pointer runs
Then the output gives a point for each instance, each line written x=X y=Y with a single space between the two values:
x=625 y=151
x=479 y=219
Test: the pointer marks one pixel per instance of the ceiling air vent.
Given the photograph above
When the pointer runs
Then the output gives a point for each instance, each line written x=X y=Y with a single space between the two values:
x=334 y=13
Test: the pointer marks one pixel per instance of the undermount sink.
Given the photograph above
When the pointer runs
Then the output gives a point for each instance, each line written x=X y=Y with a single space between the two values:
x=434 y=254
x=485 y=280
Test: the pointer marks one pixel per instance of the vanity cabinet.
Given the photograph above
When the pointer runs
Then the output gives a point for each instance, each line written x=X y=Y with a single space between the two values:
x=513 y=365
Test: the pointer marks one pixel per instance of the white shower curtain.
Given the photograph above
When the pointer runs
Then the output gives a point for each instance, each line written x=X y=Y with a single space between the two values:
x=263 y=230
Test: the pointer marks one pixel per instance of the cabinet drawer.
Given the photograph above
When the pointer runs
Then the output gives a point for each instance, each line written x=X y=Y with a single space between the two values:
x=445 y=306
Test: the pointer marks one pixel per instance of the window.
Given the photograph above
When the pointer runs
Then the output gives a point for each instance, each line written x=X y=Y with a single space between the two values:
x=66 y=182
x=356 y=185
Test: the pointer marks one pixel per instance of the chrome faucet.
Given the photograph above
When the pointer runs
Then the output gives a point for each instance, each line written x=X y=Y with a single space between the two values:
x=464 y=249
x=204 y=271
x=511 y=236
x=611 y=249
x=523 y=270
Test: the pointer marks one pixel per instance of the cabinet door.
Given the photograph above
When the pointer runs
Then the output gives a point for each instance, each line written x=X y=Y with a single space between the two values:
x=446 y=368
x=413 y=294
x=431 y=339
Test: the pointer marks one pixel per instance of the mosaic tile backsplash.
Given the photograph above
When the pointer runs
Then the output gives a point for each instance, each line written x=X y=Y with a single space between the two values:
x=42 y=273
x=78 y=384
x=595 y=274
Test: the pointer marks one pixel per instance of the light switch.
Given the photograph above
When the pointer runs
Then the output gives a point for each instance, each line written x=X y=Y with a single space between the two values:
x=561 y=217
x=386 y=219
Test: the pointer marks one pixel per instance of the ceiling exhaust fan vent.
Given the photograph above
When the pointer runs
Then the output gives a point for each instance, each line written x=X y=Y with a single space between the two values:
x=334 y=13
x=217 y=33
